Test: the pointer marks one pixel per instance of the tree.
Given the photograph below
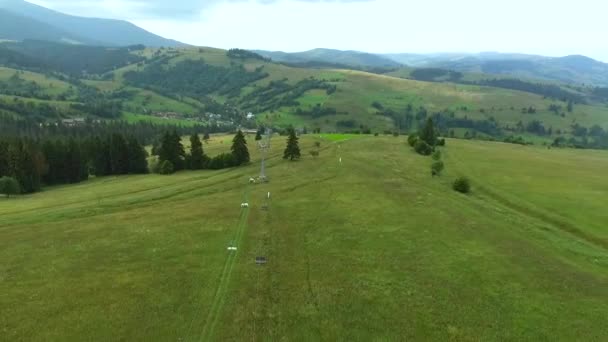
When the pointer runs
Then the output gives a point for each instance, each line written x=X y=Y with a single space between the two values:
x=9 y=186
x=171 y=149
x=138 y=157
x=423 y=148
x=258 y=134
x=75 y=164
x=3 y=159
x=239 y=149
x=119 y=155
x=428 y=134
x=206 y=137
x=166 y=168
x=436 y=155
x=412 y=139
x=437 y=167
x=101 y=160
x=197 y=155
x=292 y=151
x=462 y=185
x=570 y=106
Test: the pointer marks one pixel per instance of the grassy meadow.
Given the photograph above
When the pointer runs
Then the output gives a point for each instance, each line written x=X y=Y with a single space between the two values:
x=373 y=248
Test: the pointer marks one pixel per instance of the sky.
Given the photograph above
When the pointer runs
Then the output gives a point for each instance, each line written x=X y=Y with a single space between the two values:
x=545 y=27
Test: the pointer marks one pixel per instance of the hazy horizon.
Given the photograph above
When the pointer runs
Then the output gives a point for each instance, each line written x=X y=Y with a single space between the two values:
x=375 y=26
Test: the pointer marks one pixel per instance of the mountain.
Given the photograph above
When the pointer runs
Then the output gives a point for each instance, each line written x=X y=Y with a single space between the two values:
x=569 y=69
x=21 y=20
x=331 y=57
x=47 y=81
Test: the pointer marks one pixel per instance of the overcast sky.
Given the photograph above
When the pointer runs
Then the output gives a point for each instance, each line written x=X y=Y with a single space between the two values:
x=547 y=27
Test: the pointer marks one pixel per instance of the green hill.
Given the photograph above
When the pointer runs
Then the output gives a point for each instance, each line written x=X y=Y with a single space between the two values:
x=205 y=83
x=373 y=248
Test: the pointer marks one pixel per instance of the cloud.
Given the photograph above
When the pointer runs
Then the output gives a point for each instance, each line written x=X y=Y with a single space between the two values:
x=153 y=9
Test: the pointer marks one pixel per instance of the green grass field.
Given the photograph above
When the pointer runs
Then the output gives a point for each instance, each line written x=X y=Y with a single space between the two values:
x=370 y=249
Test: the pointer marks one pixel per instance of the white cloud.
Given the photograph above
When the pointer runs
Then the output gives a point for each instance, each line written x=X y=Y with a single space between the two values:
x=542 y=26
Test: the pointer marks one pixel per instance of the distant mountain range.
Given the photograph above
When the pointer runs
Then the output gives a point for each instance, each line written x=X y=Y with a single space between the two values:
x=21 y=20
x=569 y=69
x=332 y=57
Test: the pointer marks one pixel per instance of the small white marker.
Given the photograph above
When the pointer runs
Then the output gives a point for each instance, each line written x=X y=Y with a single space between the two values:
x=232 y=248
x=340 y=160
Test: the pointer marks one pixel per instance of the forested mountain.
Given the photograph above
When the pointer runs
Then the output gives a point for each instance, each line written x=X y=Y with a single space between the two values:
x=48 y=82
x=20 y=20
x=569 y=69
x=329 y=56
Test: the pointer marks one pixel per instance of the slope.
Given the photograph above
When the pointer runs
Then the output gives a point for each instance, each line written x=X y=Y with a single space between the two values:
x=18 y=27
x=374 y=248
x=91 y=31
x=329 y=56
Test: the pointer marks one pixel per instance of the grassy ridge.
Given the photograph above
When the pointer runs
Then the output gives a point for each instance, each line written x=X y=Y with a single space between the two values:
x=373 y=248
x=356 y=91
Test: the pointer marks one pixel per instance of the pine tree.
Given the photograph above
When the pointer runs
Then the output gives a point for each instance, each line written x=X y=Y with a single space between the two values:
x=428 y=133
x=171 y=149
x=138 y=156
x=100 y=157
x=292 y=151
x=239 y=149
x=119 y=155
x=258 y=134
x=3 y=158
x=73 y=162
x=197 y=155
x=179 y=151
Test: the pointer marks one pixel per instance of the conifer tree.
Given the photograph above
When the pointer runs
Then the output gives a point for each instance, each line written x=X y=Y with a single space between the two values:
x=197 y=155
x=428 y=134
x=138 y=162
x=171 y=149
x=258 y=134
x=239 y=149
x=73 y=162
x=3 y=158
x=292 y=151
x=119 y=155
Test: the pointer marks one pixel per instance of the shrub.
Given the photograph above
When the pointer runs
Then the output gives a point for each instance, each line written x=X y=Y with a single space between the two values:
x=222 y=161
x=395 y=134
x=376 y=134
x=437 y=167
x=166 y=168
x=436 y=155
x=9 y=186
x=412 y=139
x=462 y=185
x=441 y=142
x=423 y=148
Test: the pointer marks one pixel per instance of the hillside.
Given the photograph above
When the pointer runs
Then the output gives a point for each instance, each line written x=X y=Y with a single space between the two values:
x=212 y=85
x=374 y=248
x=569 y=69
x=21 y=20
x=331 y=57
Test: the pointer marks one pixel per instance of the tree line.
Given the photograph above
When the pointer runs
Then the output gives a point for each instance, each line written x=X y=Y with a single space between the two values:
x=50 y=161
x=171 y=156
